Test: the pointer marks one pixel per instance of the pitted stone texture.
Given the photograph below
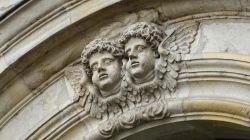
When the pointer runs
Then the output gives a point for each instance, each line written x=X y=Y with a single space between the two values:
x=223 y=36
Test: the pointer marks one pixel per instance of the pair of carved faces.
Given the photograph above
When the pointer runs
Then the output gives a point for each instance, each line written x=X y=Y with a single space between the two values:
x=102 y=58
x=143 y=82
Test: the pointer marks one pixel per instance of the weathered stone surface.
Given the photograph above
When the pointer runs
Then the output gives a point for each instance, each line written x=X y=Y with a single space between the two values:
x=223 y=36
x=35 y=113
x=204 y=91
x=6 y=5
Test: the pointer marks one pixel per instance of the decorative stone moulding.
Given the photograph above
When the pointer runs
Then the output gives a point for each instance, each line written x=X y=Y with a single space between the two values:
x=144 y=63
x=98 y=69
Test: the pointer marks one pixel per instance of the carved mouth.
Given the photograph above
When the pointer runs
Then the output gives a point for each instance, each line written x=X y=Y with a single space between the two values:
x=103 y=75
x=134 y=64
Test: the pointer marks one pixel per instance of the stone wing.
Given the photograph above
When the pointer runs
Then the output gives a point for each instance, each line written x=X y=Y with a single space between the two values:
x=79 y=82
x=177 y=43
x=85 y=92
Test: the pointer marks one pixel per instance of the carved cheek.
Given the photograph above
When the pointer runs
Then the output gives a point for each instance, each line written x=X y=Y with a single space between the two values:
x=142 y=56
x=94 y=77
x=109 y=69
x=149 y=55
x=116 y=67
x=128 y=64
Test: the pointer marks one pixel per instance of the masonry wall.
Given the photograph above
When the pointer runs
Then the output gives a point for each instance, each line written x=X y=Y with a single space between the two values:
x=40 y=39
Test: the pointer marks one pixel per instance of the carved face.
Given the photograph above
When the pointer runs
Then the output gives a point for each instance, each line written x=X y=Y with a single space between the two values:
x=141 y=59
x=106 y=72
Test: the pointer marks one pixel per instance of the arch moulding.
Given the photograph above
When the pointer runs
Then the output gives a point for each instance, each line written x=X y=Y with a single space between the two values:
x=194 y=56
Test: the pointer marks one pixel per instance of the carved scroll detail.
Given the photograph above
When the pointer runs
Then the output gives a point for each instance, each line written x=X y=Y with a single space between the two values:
x=133 y=118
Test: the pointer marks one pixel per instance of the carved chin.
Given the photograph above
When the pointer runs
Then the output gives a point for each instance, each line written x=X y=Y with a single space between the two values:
x=137 y=72
x=104 y=84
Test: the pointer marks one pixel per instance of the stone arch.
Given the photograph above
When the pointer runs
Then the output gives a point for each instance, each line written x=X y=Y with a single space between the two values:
x=37 y=100
x=191 y=129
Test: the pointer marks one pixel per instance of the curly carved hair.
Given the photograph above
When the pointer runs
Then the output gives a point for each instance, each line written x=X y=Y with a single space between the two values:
x=147 y=31
x=99 y=45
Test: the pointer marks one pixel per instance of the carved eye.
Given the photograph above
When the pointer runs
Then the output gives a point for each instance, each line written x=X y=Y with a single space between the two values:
x=94 y=67
x=107 y=61
x=128 y=51
x=140 y=48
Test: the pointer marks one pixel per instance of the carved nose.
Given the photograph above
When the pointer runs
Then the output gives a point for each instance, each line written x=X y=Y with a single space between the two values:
x=100 y=68
x=132 y=55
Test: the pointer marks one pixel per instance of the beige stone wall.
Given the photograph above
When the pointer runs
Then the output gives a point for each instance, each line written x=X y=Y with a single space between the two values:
x=40 y=40
x=7 y=4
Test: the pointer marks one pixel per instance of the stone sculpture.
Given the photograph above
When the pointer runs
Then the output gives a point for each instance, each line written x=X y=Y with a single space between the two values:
x=101 y=76
x=140 y=42
x=102 y=61
x=124 y=89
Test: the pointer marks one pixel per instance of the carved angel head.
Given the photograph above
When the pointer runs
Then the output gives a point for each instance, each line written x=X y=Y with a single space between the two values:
x=102 y=61
x=140 y=42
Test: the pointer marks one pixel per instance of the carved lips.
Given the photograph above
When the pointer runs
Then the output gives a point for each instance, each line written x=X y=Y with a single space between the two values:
x=134 y=64
x=102 y=76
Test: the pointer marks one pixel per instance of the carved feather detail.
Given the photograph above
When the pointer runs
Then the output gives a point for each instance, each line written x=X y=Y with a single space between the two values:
x=80 y=83
x=88 y=95
x=171 y=49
